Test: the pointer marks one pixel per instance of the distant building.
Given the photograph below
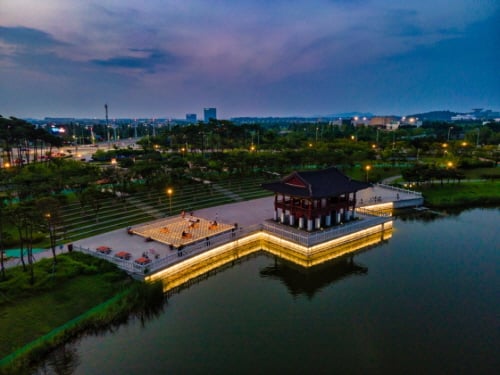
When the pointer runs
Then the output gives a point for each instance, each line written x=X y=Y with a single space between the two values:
x=411 y=121
x=463 y=117
x=385 y=122
x=360 y=121
x=191 y=117
x=209 y=113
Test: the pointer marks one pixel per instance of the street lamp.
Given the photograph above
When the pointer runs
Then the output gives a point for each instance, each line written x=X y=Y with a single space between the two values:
x=170 y=191
x=367 y=168
x=449 y=130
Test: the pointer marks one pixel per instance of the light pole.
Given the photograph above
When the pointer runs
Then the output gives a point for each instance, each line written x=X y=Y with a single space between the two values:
x=170 y=191
x=367 y=168
x=449 y=130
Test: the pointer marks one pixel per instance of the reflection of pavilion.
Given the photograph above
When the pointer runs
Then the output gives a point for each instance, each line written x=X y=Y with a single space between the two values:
x=308 y=281
x=317 y=199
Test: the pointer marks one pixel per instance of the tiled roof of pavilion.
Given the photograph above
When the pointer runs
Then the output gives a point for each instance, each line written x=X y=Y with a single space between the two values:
x=324 y=183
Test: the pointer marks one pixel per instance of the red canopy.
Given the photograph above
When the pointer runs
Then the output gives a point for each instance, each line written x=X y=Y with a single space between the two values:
x=142 y=260
x=123 y=254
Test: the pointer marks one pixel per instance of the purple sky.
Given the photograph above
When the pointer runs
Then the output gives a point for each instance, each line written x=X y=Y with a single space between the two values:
x=166 y=58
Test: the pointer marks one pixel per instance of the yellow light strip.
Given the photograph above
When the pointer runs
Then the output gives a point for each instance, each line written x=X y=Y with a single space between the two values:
x=203 y=263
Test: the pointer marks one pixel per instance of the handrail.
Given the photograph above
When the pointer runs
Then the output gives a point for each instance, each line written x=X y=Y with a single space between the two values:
x=177 y=255
x=390 y=187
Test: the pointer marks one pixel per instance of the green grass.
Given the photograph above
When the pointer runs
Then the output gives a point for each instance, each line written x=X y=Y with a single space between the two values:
x=30 y=311
x=479 y=173
x=462 y=194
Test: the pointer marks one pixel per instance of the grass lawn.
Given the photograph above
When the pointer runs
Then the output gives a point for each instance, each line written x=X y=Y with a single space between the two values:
x=79 y=283
x=462 y=194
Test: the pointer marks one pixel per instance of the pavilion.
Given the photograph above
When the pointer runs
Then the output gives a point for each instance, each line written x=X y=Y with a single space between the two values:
x=313 y=200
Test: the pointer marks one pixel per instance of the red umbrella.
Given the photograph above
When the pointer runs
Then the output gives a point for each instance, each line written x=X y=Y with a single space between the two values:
x=142 y=261
x=104 y=249
x=123 y=255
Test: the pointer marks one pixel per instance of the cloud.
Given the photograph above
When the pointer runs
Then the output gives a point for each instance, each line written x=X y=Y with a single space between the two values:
x=293 y=56
x=149 y=60
x=28 y=37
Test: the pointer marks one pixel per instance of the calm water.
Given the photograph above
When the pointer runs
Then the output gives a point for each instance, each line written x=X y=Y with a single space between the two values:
x=426 y=301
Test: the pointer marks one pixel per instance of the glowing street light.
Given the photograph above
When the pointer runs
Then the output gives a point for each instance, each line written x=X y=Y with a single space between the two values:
x=170 y=191
x=367 y=169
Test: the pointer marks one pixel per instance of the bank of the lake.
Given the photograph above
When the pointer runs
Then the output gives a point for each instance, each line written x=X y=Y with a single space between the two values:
x=463 y=194
x=84 y=293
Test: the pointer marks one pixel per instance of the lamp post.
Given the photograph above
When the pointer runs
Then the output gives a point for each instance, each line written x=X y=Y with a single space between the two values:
x=170 y=191
x=367 y=169
x=52 y=234
x=449 y=131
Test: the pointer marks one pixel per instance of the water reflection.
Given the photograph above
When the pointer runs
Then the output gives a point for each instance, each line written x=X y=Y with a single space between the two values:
x=309 y=281
x=145 y=302
x=62 y=361
x=429 y=215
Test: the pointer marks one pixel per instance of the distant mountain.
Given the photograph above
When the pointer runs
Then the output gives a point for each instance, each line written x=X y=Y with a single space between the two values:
x=435 y=115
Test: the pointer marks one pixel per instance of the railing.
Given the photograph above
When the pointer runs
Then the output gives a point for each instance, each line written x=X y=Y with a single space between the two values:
x=178 y=254
x=390 y=187
x=374 y=212
x=311 y=239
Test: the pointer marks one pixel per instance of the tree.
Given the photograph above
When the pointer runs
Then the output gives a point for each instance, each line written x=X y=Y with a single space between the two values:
x=48 y=211
x=24 y=217
x=93 y=197
x=2 y=246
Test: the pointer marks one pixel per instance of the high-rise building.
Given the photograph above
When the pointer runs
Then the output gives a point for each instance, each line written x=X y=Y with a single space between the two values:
x=209 y=113
x=191 y=117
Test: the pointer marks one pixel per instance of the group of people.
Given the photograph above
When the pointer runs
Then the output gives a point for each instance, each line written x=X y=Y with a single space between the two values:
x=146 y=255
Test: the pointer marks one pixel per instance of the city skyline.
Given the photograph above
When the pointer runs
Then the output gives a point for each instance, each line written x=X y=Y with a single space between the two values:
x=249 y=58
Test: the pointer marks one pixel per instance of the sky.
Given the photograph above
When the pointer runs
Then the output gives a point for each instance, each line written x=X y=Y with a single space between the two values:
x=166 y=58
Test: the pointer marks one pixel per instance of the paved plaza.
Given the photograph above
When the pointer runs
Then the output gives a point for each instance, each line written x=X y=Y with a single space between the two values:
x=155 y=238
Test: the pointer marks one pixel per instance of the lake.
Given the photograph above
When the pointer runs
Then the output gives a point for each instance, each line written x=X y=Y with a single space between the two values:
x=425 y=301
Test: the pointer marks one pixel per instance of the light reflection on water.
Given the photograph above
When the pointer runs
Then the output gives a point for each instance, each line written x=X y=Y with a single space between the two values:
x=426 y=301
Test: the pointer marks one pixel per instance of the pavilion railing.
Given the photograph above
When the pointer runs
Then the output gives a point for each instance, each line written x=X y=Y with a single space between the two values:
x=314 y=238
